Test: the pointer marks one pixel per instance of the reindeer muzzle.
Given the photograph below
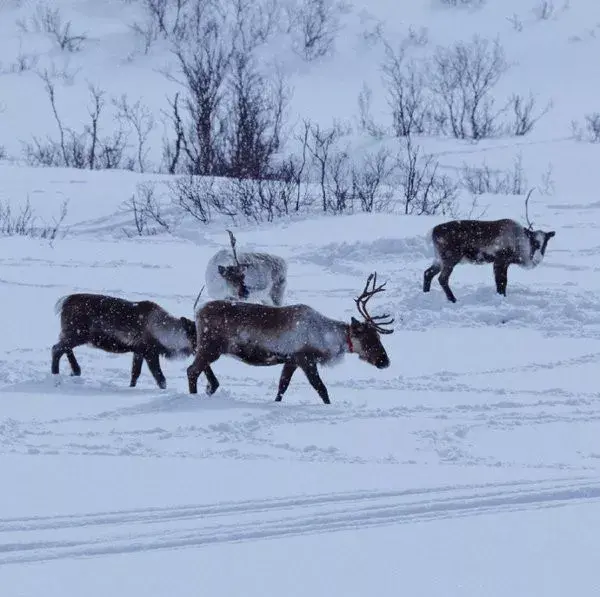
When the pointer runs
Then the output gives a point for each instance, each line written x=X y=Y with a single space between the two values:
x=382 y=362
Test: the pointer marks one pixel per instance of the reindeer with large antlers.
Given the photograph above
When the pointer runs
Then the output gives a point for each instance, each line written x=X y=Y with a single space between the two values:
x=246 y=276
x=295 y=336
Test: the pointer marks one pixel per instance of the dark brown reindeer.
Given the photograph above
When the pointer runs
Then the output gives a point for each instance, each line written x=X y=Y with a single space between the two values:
x=119 y=326
x=501 y=242
x=295 y=336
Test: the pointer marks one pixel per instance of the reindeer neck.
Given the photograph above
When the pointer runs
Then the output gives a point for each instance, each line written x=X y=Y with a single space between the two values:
x=348 y=345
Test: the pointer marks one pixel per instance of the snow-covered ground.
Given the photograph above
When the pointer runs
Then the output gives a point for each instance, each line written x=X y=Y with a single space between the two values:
x=469 y=467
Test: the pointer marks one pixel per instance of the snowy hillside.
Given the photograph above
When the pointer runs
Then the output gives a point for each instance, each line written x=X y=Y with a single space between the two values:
x=469 y=467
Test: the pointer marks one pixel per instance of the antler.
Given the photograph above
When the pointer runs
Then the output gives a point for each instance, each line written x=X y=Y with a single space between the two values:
x=233 y=241
x=361 y=305
x=527 y=209
x=197 y=299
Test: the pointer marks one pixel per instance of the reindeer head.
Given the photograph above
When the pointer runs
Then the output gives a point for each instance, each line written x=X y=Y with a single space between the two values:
x=538 y=239
x=235 y=275
x=364 y=335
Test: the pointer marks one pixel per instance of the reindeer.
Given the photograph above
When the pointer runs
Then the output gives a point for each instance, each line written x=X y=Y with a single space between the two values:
x=246 y=276
x=501 y=242
x=293 y=336
x=119 y=326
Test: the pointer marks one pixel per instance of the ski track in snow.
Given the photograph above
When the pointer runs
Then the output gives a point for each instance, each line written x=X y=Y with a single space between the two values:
x=122 y=532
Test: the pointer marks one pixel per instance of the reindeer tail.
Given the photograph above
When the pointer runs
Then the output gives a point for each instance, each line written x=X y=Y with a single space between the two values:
x=58 y=306
x=431 y=245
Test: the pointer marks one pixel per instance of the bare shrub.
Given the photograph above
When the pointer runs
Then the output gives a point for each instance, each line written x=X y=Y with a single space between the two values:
x=228 y=118
x=86 y=149
x=321 y=146
x=416 y=39
x=256 y=200
x=314 y=25
x=256 y=21
x=175 y=20
x=451 y=93
x=47 y=19
x=149 y=217
x=523 y=118
x=24 y=222
x=547 y=182
x=370 y=181
x=24 y=62
x=296 y=168
x=63 y=73
x=21 y=223
x=408 y=96
x=424 y=191
x=140 y=119
x=167 y=16
x=516 y=22
x=366 y=123
x=192 y=194
x=253 y=129
x=147 y=31
x=589 y=131
x=340 y=198
x=201 y=197
x=480 y=180
x=544 y=10
x=462 y=79
x=204 y=60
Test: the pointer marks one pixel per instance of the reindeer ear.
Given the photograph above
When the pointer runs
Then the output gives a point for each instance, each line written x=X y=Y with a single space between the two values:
x=354 y=322
x=550 y=234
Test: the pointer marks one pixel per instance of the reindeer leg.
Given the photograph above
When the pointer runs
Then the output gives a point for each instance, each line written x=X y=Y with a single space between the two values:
x=154 y=365
x=443 y=280
x=195 y=369
x=430 y=273
x=75 y=368
x=309 y=366
x=58 y=350
x=501 y=276
x=284 y=379
x=136 y=368
x=211 y=378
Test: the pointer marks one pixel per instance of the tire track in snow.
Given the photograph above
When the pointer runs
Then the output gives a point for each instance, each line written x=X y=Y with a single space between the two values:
x=114 y=533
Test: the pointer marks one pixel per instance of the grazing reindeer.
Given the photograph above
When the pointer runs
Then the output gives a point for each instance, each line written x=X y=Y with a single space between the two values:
x=246 y=276
x=293 y=336
x=501 y=242
x=119 y=326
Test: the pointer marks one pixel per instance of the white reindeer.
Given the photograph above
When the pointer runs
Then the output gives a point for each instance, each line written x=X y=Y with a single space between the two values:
x=248 y=276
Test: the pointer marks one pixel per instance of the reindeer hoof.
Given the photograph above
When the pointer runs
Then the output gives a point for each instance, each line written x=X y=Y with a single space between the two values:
x=210 y=390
